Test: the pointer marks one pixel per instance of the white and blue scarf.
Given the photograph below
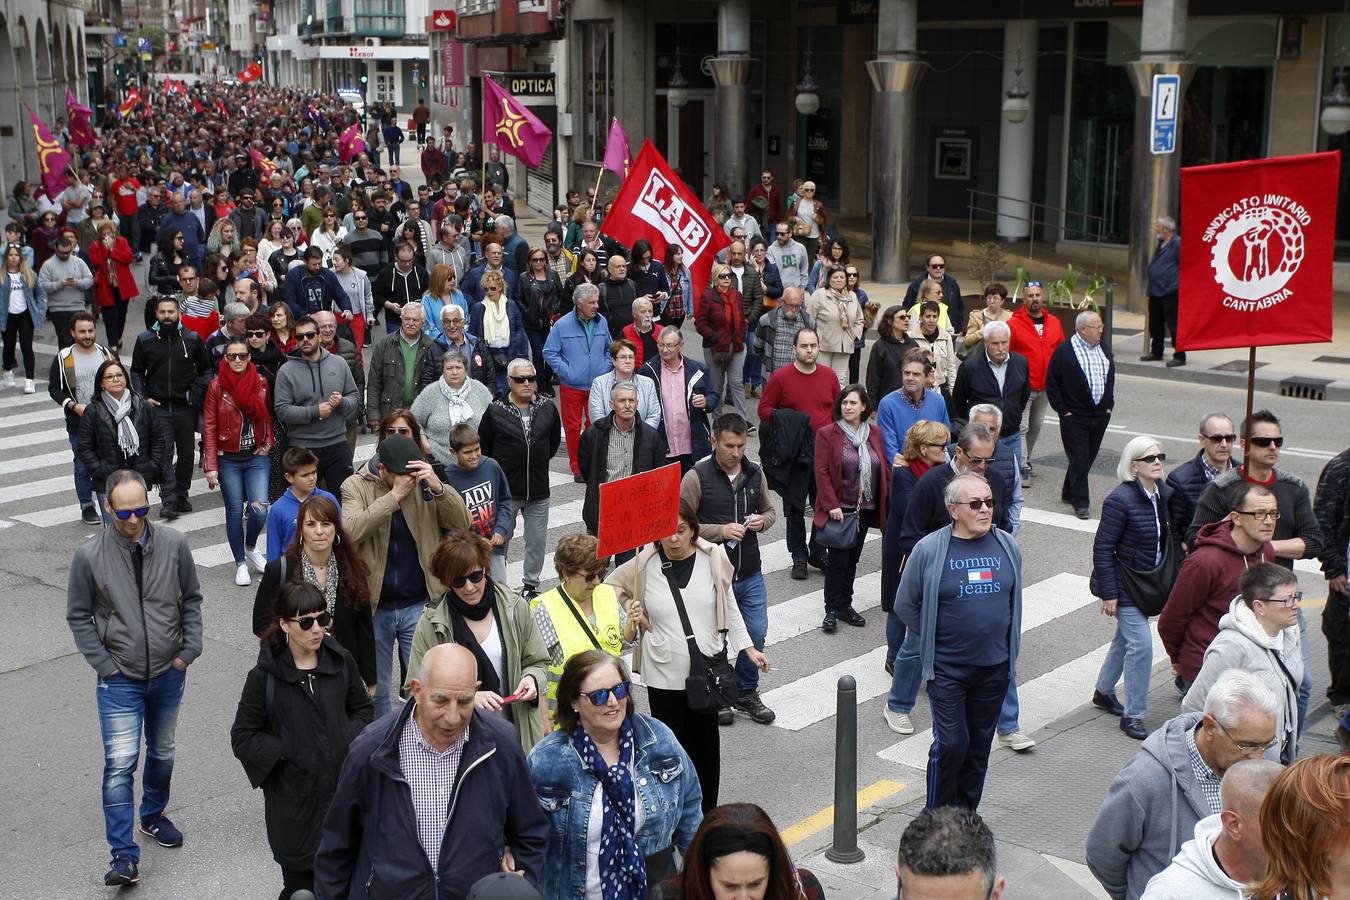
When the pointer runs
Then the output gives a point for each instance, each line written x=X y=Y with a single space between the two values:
x=623 y=871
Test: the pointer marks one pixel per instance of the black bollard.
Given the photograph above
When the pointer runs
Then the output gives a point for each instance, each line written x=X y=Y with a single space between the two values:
x=844 y=847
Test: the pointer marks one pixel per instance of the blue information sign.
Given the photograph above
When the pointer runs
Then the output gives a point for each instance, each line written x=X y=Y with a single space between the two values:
x=1163 y=129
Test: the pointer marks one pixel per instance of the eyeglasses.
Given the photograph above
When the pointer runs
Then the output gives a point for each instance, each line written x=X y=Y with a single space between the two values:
x=306 y=335
x=139 y=512
x=1260 y=515
x=1267 y=441
x=937 y=265
x=980 y=460
x=592 y=577
x=358 y=218
x=1296 y=597
x=476 y=577
x=115 y=376
x=1220 y=438
x=977 y=505
x=1247 y=746
x=399 y=429
x=781 y=233
x=237 y=357
x=601 y=696
x=307 y=622
x=720 y=277
x=523 y=379
x=186 y=277
x=257 y=333
x=851 y=274
x=1152 y=458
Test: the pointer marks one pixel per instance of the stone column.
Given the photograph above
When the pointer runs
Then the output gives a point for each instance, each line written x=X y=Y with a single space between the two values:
x=731 y=72
x=1154 y=178
x=1016 y=142
x=895 y=74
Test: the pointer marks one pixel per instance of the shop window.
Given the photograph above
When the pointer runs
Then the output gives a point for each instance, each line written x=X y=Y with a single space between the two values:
x=1101 y=137
x=597 y=86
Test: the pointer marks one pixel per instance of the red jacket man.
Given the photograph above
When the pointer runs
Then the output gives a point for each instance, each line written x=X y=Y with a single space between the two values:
x=1208 y=580
x=1035 y=335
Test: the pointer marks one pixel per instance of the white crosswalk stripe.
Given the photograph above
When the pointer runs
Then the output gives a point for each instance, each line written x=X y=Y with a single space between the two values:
x=28 y=440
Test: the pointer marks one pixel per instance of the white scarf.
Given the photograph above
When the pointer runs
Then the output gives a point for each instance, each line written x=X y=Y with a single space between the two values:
x=858 y=438
x=458 y=399
x=127 y=438
x=496 y=326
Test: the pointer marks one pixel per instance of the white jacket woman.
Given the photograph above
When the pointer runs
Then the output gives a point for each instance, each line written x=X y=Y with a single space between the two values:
x=839 y=322
x=1260 y=635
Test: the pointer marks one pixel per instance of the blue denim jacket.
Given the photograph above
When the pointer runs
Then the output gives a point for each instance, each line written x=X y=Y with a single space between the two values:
x=666 y=784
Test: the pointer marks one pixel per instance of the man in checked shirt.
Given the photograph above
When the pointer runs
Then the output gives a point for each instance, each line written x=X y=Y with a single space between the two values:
x=432 y=798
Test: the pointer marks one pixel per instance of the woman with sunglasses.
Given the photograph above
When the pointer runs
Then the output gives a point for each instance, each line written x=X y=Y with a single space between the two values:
x=236 y=439
x=738 y=853
x=580 y=613
x=1260 y=636
x=699 y=574
x=321 y=554
x=23 y=309
x=43 y=239
x=493 y=623
x=886 y=362
x=852 y=478
x=119 y=430
x=1134 y=532
x=808 y=218
x=266 y=355
x=301 y=706
x=285 y=257
x=540 y=291
x=619 y=791
x=721 y=322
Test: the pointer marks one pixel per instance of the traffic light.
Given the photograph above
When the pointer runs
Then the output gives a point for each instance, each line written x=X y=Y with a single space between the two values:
x=364 y=78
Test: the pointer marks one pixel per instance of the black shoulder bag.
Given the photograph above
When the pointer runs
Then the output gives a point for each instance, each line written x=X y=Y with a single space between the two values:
x=1148 y=590
x=711 y=683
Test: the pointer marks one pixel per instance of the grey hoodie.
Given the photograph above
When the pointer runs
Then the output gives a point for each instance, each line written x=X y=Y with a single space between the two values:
x=1150 y=810
x=1195 y=874
x=301 y=386
x=65 y=299
x=120 y=627
x=1243 y=644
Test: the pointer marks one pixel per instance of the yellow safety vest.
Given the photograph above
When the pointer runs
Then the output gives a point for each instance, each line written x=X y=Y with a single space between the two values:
x=575 y=638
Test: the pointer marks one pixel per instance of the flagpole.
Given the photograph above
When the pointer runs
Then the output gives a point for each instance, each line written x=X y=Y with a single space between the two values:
x=598 y=178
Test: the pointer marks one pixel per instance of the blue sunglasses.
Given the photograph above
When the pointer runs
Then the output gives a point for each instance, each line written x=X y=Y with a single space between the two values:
x=139 y=512
x=601 y=697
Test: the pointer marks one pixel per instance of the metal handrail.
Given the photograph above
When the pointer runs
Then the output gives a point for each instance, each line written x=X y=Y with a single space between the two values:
x=972 y=208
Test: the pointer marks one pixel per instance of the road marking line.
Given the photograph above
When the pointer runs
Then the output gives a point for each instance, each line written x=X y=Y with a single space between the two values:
x=817 y=822
x=1041 y=700
x=1080 y=874
x=799 y=703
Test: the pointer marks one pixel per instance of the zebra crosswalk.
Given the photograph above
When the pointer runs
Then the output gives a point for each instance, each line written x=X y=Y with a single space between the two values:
x=37 y=492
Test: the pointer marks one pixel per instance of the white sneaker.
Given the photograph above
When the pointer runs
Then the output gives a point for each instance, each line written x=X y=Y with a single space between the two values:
x=897 y=721
x=29 y=386
x=1014 y=740
x=241 y=575
x=9 y=378
x=255 y=559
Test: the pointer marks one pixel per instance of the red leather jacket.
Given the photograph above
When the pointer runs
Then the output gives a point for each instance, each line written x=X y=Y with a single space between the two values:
x=223 y=422
x=119 y=259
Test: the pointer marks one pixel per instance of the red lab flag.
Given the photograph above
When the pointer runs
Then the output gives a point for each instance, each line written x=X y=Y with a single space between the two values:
x=511 y=126
x=197 y=106
x=653 y=203
x=1257 y=245
x=252 y=73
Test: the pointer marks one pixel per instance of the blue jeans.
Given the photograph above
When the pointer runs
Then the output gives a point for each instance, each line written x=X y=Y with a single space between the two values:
x=84 y=485
x=241 y=481
x=125 y=706
x=1131 y=654
x=391 y=623
x=750 y=374
x=908 y=675
x=753 y=600
x=1304 y=686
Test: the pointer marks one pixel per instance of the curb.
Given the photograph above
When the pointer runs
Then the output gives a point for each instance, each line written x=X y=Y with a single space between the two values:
x=1267 y=382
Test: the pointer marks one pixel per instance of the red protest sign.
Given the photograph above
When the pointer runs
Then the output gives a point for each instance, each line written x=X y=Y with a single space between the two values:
x=1257 y=246
x=639 y=509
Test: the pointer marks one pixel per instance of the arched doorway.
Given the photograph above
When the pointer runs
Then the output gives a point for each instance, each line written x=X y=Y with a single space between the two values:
x=11 y=149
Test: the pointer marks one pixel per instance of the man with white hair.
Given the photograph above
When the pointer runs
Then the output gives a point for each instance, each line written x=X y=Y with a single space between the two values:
x=1158 y=797
x=577 y=349
x=1226 y=854
x=515 y=249
x=1080 y=382
x=1162 y=293
x=1000 y=377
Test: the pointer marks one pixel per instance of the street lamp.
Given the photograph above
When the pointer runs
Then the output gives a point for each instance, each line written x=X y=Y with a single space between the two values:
x=1336 y=114
x=1016 y=106
x=808 y=92
x=677 y=94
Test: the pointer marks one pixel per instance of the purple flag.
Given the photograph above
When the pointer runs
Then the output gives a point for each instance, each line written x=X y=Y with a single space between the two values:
x=80 y=118
x=618 y=158
x=350 y=143
x=511 y=126
x=52 y=159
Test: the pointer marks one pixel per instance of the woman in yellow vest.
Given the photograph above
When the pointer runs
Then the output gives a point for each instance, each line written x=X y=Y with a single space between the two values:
x=579 y=614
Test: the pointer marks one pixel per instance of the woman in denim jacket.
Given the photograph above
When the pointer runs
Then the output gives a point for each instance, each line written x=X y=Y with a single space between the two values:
x=617 y=788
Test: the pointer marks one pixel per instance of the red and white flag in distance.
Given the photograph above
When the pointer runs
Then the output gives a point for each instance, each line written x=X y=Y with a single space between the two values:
x=653 y=203
x=1257 y=247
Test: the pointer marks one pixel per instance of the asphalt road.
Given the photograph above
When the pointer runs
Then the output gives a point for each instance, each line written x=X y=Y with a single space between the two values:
x=52 y=836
